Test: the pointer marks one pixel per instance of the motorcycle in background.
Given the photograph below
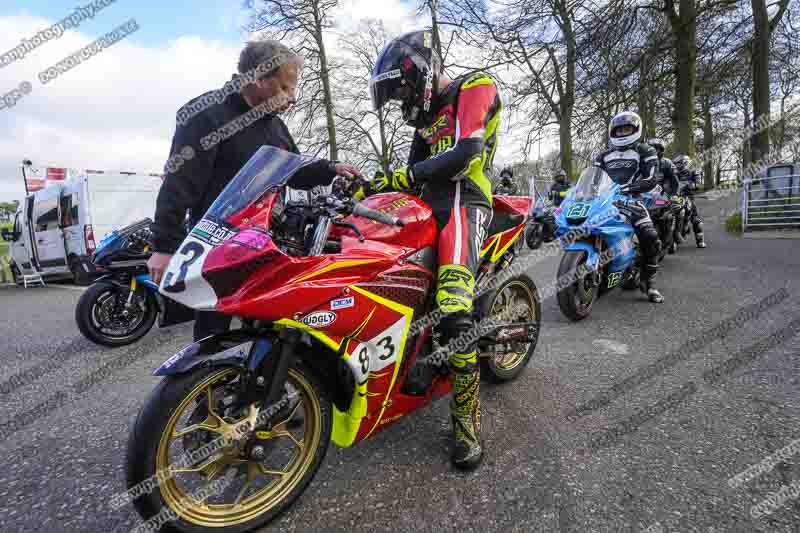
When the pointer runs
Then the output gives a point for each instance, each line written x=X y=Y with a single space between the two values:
x=602 y=253
x=658 y=205
x=542 y=223
x=122 y=304
x=338 y=299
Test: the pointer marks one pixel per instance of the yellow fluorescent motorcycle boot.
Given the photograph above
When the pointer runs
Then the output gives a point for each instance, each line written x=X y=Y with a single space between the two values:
x=465 y=410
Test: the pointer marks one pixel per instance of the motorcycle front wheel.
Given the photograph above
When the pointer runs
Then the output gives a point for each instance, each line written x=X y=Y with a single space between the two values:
x=579 y=292
x=104 y=316
x=534 y=235
x=222 y=475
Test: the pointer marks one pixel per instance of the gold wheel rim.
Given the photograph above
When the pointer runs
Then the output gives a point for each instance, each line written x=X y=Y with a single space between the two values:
x=509 y=360
x=215 y=467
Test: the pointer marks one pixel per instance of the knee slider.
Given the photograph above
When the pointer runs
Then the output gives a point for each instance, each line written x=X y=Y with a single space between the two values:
x=648 y=237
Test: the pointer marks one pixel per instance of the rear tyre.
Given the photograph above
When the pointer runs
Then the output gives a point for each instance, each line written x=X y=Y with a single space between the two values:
x=500 y=366
x=576 y=299
x=259 y=490
x=102 y=319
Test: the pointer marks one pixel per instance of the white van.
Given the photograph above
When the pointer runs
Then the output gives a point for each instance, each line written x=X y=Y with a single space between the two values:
x=60 y=225
x=98 y=202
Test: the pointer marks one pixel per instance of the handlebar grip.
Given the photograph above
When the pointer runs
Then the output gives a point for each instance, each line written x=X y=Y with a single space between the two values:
x=361 y=211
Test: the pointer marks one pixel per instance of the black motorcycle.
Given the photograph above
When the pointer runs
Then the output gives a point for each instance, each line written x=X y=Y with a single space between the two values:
x=659 y=206
x=542 y=224
x=122 y=304
x=683 y=203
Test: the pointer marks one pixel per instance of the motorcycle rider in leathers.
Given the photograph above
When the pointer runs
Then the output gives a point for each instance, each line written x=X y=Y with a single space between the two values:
x=632 y=164
x=668 y=180
x=665 y=171
x=689 y=179
x=456 y=122
x=507 y=185
x=559 y=188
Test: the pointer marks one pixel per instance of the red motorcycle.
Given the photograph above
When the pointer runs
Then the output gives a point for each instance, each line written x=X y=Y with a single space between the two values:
x=337 y=301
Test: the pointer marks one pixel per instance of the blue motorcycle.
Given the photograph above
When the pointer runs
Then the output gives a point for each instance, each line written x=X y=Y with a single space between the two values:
x=122 y=304
x=600 y=252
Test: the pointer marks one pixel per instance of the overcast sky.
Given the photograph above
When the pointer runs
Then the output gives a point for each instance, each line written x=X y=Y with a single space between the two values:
x=117 y=110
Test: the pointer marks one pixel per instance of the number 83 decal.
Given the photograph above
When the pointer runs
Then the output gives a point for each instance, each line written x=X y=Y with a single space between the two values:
x=386 y=350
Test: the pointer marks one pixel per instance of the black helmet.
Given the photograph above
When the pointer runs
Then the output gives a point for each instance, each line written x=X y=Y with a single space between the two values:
x=562 y=175
x=658 y=144
x=407 y=70
x=507 y=172
x=626 y=120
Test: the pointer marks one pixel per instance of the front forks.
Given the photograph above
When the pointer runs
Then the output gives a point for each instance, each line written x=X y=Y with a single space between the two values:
x=268 y=369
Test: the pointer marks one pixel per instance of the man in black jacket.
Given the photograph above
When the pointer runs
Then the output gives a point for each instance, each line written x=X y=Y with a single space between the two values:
x=632 y=164
x=216 y=135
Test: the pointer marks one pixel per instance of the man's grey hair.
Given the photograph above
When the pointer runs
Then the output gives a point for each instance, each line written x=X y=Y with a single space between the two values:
x=267 y=56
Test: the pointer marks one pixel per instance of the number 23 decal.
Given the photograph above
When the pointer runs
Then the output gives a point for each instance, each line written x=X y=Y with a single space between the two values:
x=193 y=250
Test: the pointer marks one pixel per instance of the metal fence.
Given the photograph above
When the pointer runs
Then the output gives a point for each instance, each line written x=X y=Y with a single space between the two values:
x=772 y=201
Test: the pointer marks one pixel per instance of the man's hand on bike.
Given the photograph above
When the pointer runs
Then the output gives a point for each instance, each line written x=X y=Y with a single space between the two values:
x=157 y=264
x=347 y=171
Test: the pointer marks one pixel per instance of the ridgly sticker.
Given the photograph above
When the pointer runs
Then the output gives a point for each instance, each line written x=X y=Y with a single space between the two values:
x=320 y=319
x=211 y=232
x=343 y=303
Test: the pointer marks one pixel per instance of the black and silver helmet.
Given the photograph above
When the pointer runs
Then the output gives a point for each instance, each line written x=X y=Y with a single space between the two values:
x=618 y=137
x=408 y=71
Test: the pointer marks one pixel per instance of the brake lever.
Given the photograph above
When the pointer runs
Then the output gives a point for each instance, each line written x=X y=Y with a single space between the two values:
x=351 y=226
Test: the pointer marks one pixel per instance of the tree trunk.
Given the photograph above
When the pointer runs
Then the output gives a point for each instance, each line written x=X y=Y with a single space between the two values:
x=646 y=109
x=567 y=100
x=708 y=143
x=324 y=75
x=760 y=72
x=437 y=42
x=747 y=155
x=684 y=28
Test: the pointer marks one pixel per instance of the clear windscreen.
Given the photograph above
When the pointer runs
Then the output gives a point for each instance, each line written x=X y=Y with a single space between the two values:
x=268 y=169
x=592 y=183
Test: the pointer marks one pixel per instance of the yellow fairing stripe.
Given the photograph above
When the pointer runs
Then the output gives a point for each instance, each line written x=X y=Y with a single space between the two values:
x=335 y=266
x=345 y=425
x=409 y=313
x=499 y=253
x=491 y=244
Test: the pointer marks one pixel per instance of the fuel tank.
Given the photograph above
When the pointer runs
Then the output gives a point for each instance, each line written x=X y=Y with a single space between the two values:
x=418 y=232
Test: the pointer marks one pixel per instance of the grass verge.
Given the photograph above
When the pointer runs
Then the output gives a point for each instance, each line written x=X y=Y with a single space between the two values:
x=734 y=224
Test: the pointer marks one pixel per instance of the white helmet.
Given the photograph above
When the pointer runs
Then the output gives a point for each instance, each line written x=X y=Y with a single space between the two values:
x=629 y=121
